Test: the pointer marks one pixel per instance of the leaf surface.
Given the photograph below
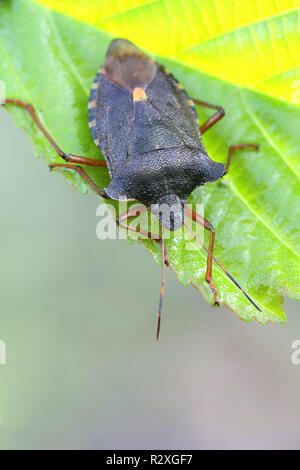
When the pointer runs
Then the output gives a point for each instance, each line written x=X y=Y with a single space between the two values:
x=246 y=60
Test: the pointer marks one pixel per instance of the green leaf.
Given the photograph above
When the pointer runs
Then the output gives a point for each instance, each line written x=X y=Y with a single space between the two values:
x=244 y=59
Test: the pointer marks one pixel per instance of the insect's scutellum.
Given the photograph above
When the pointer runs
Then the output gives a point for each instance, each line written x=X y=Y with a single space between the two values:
x=147 y=128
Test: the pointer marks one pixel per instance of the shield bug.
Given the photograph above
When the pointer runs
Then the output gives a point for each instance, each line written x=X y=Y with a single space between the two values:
x=147 y=128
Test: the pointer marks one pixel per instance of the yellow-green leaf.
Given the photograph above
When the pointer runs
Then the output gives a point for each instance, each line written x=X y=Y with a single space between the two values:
x=244 y=59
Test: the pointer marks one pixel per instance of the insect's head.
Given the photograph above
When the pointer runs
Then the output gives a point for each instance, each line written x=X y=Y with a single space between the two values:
x=170 y=211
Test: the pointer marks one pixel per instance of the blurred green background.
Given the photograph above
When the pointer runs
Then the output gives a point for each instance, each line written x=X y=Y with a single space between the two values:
x=78 y=316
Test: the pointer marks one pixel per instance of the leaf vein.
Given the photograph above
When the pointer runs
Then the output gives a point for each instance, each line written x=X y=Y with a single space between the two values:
x=67 y=54
x=239 y=28
x=266 y=134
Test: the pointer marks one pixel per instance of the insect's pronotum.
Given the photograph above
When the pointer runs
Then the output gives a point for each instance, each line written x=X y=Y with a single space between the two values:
x=147 y=129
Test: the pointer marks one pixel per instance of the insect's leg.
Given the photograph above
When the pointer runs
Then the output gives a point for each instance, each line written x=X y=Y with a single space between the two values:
x=68 y=157
x=134 y=212
x=212 y=120
x=208 y=226
x=81 y=171
x=232 y=149
x=130 y=215
x=192 y=214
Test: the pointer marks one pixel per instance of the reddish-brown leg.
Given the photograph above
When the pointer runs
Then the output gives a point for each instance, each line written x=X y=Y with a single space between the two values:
x=81 y=171
x=130 y=215
x=194 y=216
x=233 y=148
x=134 y=212
x=208 y=226
x=68 y=157
x=212 y=120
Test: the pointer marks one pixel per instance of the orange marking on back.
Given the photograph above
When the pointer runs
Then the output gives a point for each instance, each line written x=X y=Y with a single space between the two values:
x=138 y=94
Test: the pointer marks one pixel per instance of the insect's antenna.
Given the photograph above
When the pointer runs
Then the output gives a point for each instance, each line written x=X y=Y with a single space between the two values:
x=223 y=269
x=162 y=289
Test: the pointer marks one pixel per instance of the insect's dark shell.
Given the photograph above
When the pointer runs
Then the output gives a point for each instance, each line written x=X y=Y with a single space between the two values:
x=147 y=128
